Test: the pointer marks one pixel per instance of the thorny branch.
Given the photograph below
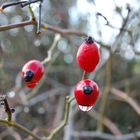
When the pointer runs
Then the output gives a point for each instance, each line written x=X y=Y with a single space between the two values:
x=10 y=122
x=8 y=110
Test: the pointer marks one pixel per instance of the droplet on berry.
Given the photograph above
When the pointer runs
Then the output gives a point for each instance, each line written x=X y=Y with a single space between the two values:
x=85 y=108
x=86 y=93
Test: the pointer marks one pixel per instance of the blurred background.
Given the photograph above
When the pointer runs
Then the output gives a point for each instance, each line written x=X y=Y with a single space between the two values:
x=115 y=26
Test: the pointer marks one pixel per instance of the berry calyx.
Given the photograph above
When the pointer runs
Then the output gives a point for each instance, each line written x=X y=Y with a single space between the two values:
x=88 y=55
x=89 y=40
x=32 y=72
x=86 y=93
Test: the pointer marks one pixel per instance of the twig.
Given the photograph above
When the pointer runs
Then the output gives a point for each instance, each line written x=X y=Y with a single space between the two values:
x=105 y=94
x=44 y=26
x=56 y=39
x=32 y=13
x=20 y=127
x=49 y=57
x=84 y=75
x=127 y=99
x=64 y=122
x=105 y=136
x=47 y=68
x=8 y=110
x=107 y=122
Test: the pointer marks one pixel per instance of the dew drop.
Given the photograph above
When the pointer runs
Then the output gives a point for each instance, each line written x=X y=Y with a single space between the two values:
x=85 y=108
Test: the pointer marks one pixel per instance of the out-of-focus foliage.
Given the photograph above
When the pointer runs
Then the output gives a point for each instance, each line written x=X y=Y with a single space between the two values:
x=45 y=110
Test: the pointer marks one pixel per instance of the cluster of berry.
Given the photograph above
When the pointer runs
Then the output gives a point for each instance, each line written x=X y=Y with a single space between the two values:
x=86 y=91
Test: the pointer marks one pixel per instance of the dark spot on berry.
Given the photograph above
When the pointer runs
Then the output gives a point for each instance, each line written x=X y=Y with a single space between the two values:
x=87 y=89
x=28 y=76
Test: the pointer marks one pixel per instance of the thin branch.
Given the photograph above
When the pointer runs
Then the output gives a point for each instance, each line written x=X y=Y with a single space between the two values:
x=44 y=26
x=105 y=94
x=49 y=57
x=19 y=127
x=32 y=13
x=48 y=67
x=127 y=99
x=84 y=75
x=8 y=110
x=4 y=6
x=105 y=136
x=64 y=122
x=107 y=122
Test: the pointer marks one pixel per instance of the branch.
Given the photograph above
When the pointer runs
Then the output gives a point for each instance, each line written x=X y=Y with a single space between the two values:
x=106 y=93
x=105 y=136
x=107 y=122
x=127 y=99
x=49 y=57
x=56 y=40
x=64 y=122
x=20 y=127
x=44 y=26
x=7 y=108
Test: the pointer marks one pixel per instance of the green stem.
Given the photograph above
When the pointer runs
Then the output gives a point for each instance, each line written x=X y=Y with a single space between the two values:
x=20 y=127
x=32 y=13
x=64 y=122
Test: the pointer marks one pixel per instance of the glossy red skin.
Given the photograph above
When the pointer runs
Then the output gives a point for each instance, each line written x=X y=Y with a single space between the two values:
x=84 y=99
x=88 y=56
x=37 y=68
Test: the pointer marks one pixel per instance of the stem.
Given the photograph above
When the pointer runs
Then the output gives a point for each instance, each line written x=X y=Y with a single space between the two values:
x=48 y=67
x=49 y=57
x=29 y=2
x=39 y=19
x=7 y=108
x=4 y=6
x=105 y=94
x=84 y=75
x=32 y=13
x=43 y=26
x=64 y=122
x=18 y=126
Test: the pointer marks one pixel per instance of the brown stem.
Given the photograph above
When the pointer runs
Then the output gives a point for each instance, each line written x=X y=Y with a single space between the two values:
x=84 y=75
x=8 y=110
x=20 y=127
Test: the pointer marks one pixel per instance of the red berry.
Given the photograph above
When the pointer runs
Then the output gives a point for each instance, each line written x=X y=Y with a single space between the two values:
x=88 y=55
x=32 y=72
x=86 y=93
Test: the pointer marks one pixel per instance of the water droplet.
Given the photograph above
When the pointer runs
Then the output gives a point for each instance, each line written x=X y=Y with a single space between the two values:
x=85 y=108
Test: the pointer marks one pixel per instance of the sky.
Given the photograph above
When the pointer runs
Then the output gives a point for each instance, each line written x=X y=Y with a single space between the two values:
x=107 y=9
